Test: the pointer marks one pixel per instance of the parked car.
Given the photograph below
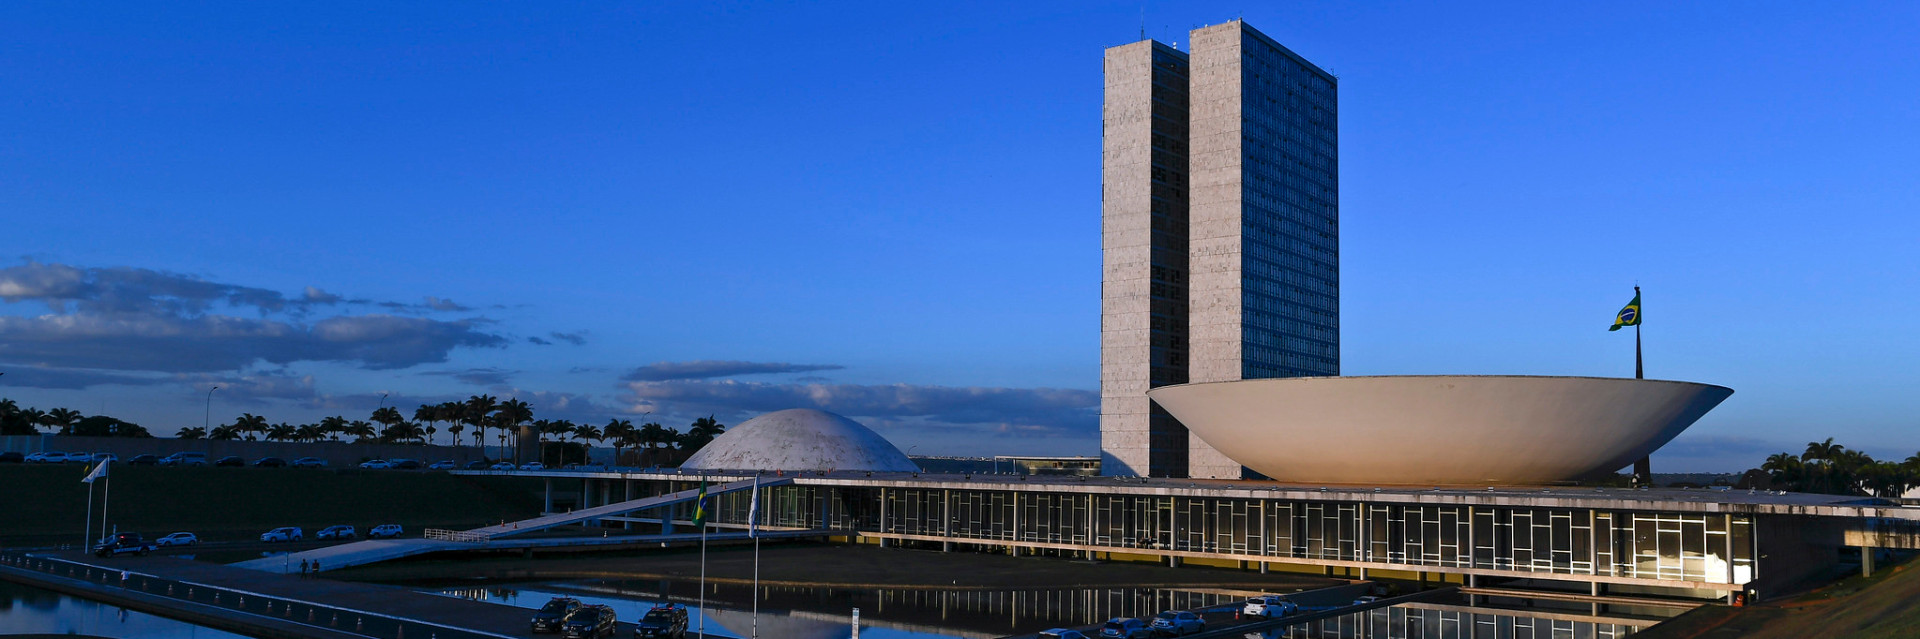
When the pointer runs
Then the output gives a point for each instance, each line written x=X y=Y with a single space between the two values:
x=335 y=532
x=665 y=621
x=178 y=539
x=533 y=466
x=309 y=462
x=407 y=464
x=501 y=466
x=36 y=457
x=376 y=464
x=12 y=457
x=1178 y=622
x=384 y=531
x=102 y=457
x=78 y=458
x=1269 y=606
x=143 y=460
x=548 y=617
x=270 y=462
x=122 y=544
x=284 y=533
x=589 y=622
x=231 y=460
x=1364 y=600
x=444 y=464
x=1124 y=628
x=1061 y=633
x=478 y=464
x=184 y=459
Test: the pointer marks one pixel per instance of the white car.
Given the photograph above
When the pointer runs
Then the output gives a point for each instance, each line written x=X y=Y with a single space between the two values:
x=376 y=464
x=285 y=533
x=501 y=466
x=384 y=531
x=1061 y=633
x=1269 y=606
x=533 y=466
x=36 y=458
x=444 y=464
x=77 y=458
x=178 y=539
x=104 y=457
x=309 y=462
x=335 y=532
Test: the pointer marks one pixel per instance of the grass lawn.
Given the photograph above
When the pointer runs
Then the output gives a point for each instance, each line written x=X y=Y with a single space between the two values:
x=48 y=504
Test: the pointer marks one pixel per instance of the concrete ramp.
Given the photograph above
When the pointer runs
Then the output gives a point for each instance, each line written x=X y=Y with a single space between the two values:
x=615 y=509
x=360 y=553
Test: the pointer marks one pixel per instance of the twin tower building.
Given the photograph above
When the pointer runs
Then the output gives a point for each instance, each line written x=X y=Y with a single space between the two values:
x=1220 y=206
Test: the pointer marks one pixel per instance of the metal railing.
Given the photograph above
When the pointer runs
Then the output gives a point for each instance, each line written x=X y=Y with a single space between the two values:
x=441 y=534
x=249 y=604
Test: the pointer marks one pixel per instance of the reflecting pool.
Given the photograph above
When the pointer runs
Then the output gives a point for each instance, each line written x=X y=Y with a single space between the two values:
x=28 y=610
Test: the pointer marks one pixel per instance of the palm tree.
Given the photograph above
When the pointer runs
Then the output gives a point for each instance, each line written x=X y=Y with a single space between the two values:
x=559 y=429
x=363 y=432
x=61 y=418
x=585 y=433
x=281 y=432
x=450 y=412
x=387 y=416
x=512 y=413
x=1821 y=451
x=653 y=435
x=475 y=413
x=191 y=432
x=702 y=431
x=248 y=424
x=223 y=433
x=622 y=433
x=310 y=433
x=34 y=418
x=427 y=413
x=334 y=426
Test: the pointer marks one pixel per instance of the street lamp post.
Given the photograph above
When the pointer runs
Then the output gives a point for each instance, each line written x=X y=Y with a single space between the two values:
x=207 y=420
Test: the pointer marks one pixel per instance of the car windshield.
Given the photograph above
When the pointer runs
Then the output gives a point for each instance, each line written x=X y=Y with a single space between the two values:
x=1165 y=616
x=585 y=615
x=1116 y=625
x=554 y=606
x=658 y=615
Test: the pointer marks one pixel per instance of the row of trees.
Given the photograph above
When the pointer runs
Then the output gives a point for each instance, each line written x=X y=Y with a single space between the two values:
x=387 y=424
x=476 y=415
x=15 y=420
x=1826 y=467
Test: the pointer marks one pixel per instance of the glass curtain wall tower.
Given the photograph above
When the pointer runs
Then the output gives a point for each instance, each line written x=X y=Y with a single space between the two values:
x=1221 y=220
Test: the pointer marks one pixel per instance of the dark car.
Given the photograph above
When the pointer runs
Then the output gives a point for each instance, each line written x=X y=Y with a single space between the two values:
x=588 y=622
x=407 y=464
x=12 y=457
x=547 y=618
x=663 y=621
x=271 y=462
x=478 y=464
x=144 y=460
x=230 y=460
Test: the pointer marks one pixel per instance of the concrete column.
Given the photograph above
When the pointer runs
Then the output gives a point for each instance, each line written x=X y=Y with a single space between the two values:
x=1173 y=561
x=946 y=519
x=1263 y=567
x=883 y=516
x=1866 y=561
x=1363 y=574
x=549 y=501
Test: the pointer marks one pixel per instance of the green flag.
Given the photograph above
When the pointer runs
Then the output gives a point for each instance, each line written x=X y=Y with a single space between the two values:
x=1629 y=316
x=700 y=506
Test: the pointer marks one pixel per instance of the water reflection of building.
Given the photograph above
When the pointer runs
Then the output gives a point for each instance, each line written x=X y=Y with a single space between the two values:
x=1430 y=621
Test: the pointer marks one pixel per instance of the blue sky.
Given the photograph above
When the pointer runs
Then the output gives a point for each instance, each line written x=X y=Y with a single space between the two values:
x=892 y=210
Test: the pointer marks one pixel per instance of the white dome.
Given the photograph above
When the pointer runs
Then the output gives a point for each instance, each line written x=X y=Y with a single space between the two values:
x=800 y=439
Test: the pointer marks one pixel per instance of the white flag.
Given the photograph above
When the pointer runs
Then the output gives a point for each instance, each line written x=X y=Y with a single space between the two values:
x=753 y=510
x=98 y=473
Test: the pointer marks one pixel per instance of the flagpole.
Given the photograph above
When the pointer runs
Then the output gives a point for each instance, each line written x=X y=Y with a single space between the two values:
x=86 y=534
x=1639 y=369
x=700 y=506
x=105 y=492
x=753 y=530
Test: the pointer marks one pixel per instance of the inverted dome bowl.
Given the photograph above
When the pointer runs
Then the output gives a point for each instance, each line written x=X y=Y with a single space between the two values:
x=1448 y=429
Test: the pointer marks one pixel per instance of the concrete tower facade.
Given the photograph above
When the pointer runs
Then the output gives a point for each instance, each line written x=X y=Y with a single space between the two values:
x=1221 y=219
x=1143 y=306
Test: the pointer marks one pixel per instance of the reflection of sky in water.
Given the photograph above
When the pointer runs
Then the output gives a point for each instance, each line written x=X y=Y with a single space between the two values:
x=722 y=622
x=25 y=610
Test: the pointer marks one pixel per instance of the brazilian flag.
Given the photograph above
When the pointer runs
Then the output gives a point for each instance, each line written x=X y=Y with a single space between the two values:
x=1629 y=316
x=700 y=506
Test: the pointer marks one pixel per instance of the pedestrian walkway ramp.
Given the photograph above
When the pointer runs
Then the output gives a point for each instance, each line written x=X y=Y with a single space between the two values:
x=508 y=535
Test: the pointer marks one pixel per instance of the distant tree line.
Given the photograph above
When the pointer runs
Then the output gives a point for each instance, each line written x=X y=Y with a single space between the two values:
x=387 y=425
x=15 y=420
x=1829 y=468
